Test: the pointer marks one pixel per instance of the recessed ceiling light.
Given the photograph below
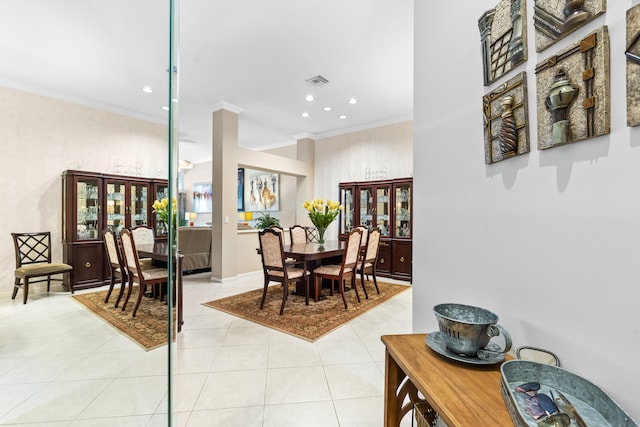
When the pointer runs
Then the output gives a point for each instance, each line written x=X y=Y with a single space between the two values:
x=165 y=108
x=308 y=98
x=343 y=116
x=147 y=89
x=327 y=108
x=305 y=114
x=353 y=101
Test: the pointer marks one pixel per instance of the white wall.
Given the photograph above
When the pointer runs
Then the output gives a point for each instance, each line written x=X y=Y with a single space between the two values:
x=42 y=137
x=550 y=241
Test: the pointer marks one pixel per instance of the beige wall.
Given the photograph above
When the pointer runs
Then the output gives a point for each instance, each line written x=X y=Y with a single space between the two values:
x=41 y=137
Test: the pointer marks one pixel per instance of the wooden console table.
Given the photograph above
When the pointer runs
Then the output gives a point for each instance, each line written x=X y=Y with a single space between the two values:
x=462 y=395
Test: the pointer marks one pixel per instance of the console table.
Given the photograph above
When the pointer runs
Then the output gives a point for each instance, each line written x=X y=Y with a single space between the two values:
x=462 y=395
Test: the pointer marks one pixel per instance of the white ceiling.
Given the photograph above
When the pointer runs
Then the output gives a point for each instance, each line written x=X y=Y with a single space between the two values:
x=253 y=54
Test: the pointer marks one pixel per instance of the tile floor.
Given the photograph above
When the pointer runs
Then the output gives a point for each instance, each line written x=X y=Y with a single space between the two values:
x=60 y=365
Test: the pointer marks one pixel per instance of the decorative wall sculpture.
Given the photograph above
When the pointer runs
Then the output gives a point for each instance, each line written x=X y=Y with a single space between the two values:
x=506 y=120
x=504 y=38
x=572 y=92
x=633 y=66
x=554 y=19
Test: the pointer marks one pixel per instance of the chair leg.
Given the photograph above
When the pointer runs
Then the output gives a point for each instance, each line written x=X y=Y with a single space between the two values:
x=25 y=291
x=353 y=285
x=375 y=281
x=16 y=286
x=341 y=284
x=129 y=289
x=364 y=288
x=48 y=283
x=264 y=292
x=306 y=290
x=112 y=282
x=123 y=285
x=141 y=289
x=70 y=283
x=285 y=295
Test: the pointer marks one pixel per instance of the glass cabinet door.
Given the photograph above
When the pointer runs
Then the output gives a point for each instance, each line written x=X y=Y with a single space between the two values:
x=403 y=211
x=366 y=207
x=382 y=209
x=161 y=191
x=116 y=206
x=347 y=202
x=139 y=202
x=88 y=209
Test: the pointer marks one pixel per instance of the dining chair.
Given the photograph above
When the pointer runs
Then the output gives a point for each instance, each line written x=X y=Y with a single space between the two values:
x=344 y=271
x=143 y=235
x=297 y=234
x=33 y=259
x=367 y=263
x=143 y=276
x=277 y=269
x=115 y=263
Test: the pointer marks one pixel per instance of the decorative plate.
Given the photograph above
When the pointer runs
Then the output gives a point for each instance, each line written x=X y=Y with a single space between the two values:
x=435 y=341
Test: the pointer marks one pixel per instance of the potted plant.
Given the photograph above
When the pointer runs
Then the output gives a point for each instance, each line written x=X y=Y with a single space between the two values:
x=265 y=220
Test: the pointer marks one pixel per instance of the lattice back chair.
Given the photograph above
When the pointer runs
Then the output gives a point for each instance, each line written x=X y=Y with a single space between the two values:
x=116 y=265
x=367 y=264
x=298 y=234
x=344 y=271
x=33 y=259
x=277 y=269
x=137 y=274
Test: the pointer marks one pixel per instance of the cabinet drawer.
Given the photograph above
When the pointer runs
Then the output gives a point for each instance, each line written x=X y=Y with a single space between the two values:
x=402 y=258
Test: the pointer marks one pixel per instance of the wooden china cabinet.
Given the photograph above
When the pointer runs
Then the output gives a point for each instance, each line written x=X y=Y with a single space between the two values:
x=387 y=205
x=93 y=202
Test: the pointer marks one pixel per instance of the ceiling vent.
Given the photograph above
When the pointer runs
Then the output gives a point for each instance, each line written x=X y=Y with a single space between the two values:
x=318 y=80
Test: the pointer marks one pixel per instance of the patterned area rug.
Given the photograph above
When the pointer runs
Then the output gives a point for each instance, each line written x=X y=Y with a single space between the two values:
x=306 y=322
x=148 y=328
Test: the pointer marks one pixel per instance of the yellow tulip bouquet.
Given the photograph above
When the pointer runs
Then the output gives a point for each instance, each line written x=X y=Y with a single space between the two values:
x=322 y=215
x=161 y=208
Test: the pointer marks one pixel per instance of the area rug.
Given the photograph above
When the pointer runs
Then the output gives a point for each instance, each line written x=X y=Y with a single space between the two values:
x=306 y=322
x=148 y=329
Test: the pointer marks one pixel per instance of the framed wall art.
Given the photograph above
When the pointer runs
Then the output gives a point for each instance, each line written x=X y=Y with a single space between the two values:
x=573 y=94
x=202 y=197
x=240 y=189
x=261 y=191
x=633 y=66
x=555 y=19
x=506 y=120
x=503 y=33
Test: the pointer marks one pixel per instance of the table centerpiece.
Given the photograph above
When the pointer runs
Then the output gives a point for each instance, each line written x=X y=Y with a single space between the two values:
x=322 y=215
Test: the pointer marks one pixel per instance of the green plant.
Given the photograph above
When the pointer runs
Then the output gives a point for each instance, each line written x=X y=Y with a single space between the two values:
x=265 y=220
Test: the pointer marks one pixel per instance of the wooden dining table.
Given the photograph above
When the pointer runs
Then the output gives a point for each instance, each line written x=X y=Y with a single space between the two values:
x=160 y=251
x=312 y=254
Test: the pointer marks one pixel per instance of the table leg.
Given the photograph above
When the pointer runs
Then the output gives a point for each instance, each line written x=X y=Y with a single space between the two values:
x=393 y=376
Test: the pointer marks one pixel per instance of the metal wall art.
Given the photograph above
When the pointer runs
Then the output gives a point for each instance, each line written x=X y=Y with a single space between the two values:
x=633 y=66
x=554 y=19
x=506 y=124
x=572 y=92
x=504 y=38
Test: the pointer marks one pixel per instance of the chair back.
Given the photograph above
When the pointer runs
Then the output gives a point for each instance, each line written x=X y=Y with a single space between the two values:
x=143 y=235
x=298 y=234
x=112 y=249
x=271 y=249
x=32 y=248
x=352 y=250
x=129 y=252
x=373 y=245
x=365 y=233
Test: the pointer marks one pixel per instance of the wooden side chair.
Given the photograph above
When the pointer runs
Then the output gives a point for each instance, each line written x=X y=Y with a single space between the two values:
x=116 y=265
x=344 y=271
x=276 y=269
x=298 y=234
x=33 y=259
x=143 y=276
x=367 y=264
x=143 y=235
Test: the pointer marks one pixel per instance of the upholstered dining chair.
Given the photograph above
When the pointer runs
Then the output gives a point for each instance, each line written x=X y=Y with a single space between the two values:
x=143 y=235
x=276 y=269
x=344 y=271
x=367 y=263
x=115 y=263
x=143 y=276
x=33 y=259
x=297 y=234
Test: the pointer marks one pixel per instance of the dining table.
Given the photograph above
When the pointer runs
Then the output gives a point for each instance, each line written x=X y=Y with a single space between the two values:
x=160 y=251
x=311 y=254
